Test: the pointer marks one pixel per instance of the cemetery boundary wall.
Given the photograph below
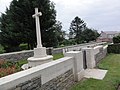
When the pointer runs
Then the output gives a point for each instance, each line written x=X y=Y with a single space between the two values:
x=94 y=55
x=102 y=53
x=15 y=56
x=55 y=75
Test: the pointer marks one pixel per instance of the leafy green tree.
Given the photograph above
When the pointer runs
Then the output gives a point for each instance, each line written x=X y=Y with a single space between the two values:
x=89 y=35
x=59 y=32
x=18 y=26
x=76 y=28
x=116 y=39
x=9 y=40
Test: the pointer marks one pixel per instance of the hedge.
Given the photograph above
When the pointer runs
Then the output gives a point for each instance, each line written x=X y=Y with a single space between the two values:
x=114 y=48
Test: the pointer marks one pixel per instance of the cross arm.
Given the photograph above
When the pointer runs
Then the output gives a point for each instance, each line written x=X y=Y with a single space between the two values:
x=38 y=14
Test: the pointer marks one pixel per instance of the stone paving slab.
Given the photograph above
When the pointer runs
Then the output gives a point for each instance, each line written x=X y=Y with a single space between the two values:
x=95 y=73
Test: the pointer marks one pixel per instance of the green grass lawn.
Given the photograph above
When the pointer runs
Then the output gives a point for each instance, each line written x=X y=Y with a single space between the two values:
x=111 y=80
x=57 y=56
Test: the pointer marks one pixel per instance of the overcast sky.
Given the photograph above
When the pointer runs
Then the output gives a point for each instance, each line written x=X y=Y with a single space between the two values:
x=102 y=15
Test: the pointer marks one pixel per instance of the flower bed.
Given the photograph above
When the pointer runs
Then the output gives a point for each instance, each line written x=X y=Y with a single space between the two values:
x=8 y=67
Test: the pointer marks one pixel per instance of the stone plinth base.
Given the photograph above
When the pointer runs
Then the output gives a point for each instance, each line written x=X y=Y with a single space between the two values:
x=40 y=57
x=40 y=52
x=32 y=61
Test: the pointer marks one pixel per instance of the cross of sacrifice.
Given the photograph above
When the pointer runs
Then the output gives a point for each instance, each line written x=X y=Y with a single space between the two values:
x=38 y=32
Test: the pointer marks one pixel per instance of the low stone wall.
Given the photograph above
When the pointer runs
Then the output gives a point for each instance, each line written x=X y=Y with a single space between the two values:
x=55 y=75
x=76 y=47
x=92 y=56
x=33 y=84
x=61 y=82
x=15 y=56
x=102 y=53
x=57 y=50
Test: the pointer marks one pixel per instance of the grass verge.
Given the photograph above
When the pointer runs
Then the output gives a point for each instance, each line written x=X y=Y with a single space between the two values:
x=57 y=56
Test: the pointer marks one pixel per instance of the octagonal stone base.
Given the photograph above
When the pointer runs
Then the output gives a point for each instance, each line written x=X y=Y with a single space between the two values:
x=32 y=61
x=40 y=57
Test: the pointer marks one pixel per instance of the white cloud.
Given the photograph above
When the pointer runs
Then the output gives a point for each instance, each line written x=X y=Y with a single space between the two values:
x=98 y=14
x=3 y=5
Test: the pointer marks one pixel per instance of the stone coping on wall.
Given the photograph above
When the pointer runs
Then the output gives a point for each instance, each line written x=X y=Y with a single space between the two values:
x=93 y=43
x=105 y=46
x=41 y=70
x=16 y=56
x=25 y=51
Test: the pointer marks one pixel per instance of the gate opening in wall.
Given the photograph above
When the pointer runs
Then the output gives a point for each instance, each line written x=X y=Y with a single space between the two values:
x=84 y=60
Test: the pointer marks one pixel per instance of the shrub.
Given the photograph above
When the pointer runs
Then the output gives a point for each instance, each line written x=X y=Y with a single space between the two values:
x=114 y=48
x=23 y=47
x=116 y=39
x=1 y=49
x=11 y=48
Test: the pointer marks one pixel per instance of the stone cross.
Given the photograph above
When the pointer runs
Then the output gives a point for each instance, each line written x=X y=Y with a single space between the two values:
x=38 y=32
